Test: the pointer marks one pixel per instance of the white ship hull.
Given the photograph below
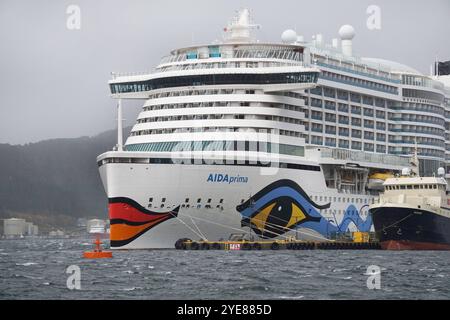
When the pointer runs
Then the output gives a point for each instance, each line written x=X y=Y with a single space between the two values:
x=137 y=191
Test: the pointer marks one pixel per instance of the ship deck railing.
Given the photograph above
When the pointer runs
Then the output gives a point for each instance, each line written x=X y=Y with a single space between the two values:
x=289 y=55
x=358 y=156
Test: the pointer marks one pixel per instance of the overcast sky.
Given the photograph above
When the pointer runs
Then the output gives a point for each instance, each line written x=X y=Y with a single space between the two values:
x=53 y=81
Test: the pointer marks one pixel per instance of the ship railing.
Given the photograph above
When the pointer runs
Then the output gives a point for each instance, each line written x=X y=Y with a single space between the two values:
x=221 y=65
x=290 y=55
x=116 y=75
x=375 y=75
x=358 y=156
x=294 y=57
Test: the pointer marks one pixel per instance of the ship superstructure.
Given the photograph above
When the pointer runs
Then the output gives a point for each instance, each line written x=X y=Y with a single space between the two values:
x=265 y=138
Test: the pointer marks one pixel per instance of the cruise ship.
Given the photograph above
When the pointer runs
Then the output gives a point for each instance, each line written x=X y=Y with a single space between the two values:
x=270 y=140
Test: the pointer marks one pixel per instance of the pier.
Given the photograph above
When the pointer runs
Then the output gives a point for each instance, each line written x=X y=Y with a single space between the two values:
x=185 y=244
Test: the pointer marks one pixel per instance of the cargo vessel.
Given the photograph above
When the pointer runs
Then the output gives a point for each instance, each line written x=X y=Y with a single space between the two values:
x=413 y=213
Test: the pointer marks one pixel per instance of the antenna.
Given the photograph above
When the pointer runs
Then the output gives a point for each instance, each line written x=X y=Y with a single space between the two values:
x=415 y=160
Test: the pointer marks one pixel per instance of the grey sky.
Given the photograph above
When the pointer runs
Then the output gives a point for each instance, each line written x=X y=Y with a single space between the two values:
x=53 y=81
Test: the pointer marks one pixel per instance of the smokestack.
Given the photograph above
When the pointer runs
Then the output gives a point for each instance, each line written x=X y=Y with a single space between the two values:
x=347 y=33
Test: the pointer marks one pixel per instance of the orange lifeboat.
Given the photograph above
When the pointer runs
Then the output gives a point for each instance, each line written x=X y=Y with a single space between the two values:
x=98 y=252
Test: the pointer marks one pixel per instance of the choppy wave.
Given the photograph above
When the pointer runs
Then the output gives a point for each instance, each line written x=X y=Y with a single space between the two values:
x=131 y=289
x=26 y=264
x=291 y=297
x=37 y=270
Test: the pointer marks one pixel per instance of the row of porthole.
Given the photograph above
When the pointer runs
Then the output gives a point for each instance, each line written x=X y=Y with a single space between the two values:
x=186 y=203
x=343 y=199
x=342 y=212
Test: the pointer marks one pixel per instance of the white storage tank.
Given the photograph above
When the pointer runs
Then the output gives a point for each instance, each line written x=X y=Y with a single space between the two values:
x=35 y=230
x=29 y=228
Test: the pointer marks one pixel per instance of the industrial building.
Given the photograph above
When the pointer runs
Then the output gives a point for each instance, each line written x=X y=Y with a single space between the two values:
x=96 y=226
x=15 y=227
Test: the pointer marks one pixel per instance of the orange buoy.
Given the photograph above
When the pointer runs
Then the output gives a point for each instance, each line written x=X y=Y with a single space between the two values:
x=98 y=252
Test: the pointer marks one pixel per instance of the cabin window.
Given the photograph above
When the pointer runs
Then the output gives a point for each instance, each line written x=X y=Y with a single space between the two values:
x=402 y=187
x=416 y=186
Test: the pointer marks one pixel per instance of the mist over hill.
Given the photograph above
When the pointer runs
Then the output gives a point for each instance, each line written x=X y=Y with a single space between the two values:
x=54 y=180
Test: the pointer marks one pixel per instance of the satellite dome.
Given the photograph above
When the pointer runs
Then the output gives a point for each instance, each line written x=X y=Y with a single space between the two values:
x=289 y=36
x=346 y=32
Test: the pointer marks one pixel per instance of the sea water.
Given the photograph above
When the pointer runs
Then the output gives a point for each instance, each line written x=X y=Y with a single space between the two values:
x=37 y=269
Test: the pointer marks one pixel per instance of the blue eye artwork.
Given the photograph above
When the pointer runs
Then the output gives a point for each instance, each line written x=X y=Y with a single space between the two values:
x=283 y=206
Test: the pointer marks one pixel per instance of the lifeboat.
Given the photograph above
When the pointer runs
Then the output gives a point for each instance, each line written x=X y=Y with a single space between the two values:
x=377 y=179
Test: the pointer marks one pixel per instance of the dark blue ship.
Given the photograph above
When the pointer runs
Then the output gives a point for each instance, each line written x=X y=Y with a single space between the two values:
x=413 y=213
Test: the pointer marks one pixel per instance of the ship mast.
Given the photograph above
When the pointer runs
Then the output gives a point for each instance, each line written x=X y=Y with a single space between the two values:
x=238 y=29
x=119 y=126
x=415 y=160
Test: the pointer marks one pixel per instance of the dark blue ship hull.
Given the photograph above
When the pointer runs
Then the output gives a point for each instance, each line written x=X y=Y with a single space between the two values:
x=411 y=229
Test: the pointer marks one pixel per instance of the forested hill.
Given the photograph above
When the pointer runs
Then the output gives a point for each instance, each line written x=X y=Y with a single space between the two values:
x=56 y=177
